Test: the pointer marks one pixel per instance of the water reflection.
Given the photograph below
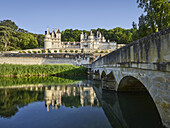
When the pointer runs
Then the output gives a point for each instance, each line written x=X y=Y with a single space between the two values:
x=80 y=104
x=70 y=96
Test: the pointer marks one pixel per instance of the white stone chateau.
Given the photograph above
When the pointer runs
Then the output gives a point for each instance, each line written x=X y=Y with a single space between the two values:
x=53 y=41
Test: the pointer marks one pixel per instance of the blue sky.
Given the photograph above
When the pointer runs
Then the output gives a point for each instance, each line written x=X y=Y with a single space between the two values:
x=36 y=15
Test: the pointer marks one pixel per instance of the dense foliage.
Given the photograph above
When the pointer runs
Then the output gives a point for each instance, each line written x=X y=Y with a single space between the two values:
x=14 y=38
x=120 y=35
x=29 y=70
x=156 y=17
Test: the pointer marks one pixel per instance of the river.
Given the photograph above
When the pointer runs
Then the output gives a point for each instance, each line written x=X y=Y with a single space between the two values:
x=72 y=103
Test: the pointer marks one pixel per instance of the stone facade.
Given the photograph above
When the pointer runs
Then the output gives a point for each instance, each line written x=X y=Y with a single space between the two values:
x=53 y=41
x=95 y=42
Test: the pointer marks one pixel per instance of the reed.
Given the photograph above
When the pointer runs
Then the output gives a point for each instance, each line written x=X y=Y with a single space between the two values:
x=41 y=70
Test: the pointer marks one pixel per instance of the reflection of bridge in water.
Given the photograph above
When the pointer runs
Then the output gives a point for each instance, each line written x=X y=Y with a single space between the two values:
x=128 y=110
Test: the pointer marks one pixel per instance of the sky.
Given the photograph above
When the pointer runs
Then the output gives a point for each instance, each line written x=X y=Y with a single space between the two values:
x=36 y=15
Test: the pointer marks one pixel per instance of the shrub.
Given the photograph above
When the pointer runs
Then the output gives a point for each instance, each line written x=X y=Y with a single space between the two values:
x=60 y=50
x=102 y=52
x=55 y=51
x=39 y=51
x=23 y=52
x=34 y=51
x=96 y=51
x=107 y=52
x=71 y=51
x=76 y=51
x=20 y=52
x=65 y=50
x=28 y=51
x=43 y=51
x=49 y=51
x=82 y=51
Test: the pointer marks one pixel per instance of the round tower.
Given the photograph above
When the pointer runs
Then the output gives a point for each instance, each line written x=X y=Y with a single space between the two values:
x=91 y=37
x=81 y=37
x=47 y=40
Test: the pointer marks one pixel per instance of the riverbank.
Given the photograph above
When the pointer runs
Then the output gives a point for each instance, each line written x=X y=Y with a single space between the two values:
x=10 y=70
x=7 y=82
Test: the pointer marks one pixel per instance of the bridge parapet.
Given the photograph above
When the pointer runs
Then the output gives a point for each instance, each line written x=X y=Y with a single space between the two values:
x=151 y=52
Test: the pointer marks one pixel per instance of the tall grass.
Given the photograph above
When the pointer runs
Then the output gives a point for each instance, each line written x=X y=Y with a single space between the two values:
x=40 y=70
x=49 y=80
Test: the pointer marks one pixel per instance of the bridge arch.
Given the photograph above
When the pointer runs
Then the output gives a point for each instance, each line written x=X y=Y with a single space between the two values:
x=130 y=83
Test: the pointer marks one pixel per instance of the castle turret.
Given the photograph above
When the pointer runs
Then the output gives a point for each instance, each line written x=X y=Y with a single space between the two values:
x=81 y=37
x=97 y=35
x=103 y=39
x=100 y=35
x=48 y=33
x=53 y=36
x=91 y=33
x=55 y=31
x=47 y=40
x=59 y=35
x=91 y=37
x=85 y=36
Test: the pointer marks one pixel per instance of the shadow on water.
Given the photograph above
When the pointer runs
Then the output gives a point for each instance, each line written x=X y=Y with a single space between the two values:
x=132 y=110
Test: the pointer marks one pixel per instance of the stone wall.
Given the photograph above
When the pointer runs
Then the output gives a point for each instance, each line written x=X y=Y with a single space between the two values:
x=40 y=60
x=50 y=58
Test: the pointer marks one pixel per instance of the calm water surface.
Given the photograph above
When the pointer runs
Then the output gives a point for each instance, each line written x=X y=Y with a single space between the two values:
x=52 y=102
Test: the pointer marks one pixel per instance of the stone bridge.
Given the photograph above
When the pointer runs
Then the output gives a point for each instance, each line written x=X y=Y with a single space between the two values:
x=141 y=65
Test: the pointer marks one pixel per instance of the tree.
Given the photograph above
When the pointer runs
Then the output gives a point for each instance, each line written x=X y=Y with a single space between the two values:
x=5 y=37
x=134 y=25
x=157 y=13
x=10 y=24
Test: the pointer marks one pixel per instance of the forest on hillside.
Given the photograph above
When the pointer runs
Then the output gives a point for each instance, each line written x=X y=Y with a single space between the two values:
x=156 y=17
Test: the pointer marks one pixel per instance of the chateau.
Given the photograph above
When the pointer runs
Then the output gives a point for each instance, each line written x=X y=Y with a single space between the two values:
x=53 y=41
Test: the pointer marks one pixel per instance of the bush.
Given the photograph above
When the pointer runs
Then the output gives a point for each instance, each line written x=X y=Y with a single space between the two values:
x=102 y=52
x=23 y=52
x=76 y=51
x=20 y=52
x=107 y=52
x=34 y=51
x=71 y=51
x=65 y=50
x=60 y=50
x=55 y=51
x=43 y=51
x=28 y=51
x=96 y=51
x=82 y=51
x=39 y=51
x=49 y=51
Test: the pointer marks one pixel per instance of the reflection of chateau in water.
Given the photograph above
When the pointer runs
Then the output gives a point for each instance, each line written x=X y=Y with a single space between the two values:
x=53 y=96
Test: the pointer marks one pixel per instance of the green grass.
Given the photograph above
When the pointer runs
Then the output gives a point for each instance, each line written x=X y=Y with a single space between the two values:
x=40 y=70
